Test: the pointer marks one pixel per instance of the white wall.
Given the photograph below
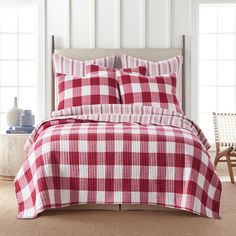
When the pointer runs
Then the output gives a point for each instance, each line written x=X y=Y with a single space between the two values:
x=115 y=23
x=181 y=24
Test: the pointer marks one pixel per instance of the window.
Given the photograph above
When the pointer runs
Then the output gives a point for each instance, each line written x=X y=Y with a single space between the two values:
x=21 y=57
x=216 y=63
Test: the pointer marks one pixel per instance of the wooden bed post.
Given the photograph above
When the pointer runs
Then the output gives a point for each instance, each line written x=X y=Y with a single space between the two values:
x=53 y=77
x=183 y=77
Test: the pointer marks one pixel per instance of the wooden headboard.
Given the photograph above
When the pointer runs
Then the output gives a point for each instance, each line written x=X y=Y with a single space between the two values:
x=151 y=54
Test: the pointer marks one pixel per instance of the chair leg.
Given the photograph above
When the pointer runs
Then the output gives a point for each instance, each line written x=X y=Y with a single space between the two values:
x=220 y=154
x=217 y=158
x=231 y=174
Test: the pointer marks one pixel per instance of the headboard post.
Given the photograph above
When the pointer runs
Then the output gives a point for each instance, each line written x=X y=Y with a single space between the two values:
x=183 y=77
x=53 y=76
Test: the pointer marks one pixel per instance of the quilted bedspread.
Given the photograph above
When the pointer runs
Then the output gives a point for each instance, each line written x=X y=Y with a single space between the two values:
x=117 y=154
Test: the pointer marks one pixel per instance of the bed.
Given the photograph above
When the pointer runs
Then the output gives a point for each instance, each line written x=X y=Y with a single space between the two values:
x=118 y=154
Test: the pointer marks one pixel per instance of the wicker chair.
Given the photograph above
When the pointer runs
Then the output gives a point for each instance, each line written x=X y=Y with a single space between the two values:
x=225 y=137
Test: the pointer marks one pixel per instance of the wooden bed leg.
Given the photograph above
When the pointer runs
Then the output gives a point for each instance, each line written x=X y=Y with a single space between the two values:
x=119 y=207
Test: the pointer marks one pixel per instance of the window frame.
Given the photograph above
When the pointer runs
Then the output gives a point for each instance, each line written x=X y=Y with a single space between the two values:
x=195 y=54
x=40 y=86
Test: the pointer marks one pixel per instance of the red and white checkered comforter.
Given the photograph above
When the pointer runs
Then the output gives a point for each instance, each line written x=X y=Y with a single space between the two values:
x=117 y=154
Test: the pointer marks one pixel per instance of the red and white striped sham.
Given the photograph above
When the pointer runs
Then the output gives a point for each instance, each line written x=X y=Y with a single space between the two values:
x=171 y=65
x=64 y=65
x=77 y=91
x=68 y=66
x=152 y=91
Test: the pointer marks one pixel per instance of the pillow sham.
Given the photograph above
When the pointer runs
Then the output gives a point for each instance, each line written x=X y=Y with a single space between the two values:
x=153 y=91
x=93 y=69
x=64 y=65
x=171 y=65
x=77 y=91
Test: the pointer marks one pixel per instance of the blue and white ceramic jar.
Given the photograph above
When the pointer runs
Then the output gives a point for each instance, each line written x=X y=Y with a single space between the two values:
x=27 y=119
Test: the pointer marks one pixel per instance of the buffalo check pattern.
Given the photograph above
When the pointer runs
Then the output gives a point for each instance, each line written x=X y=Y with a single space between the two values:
x=159 y=90
x=171 y=65
x=68 y=66
x=76 y=91
x=94 y=69
x=117 y=154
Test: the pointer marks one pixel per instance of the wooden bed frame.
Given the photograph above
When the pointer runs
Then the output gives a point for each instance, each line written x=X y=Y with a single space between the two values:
x=152 y=54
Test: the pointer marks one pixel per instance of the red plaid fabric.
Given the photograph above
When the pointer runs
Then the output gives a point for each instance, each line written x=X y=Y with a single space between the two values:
x=93 y=69
x=160 y=90
x=64 y=65
x=117 y=154
x=171 y=65
x=77 y=91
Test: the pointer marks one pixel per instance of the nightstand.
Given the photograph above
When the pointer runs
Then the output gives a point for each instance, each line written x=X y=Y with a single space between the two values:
x=12 y=154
